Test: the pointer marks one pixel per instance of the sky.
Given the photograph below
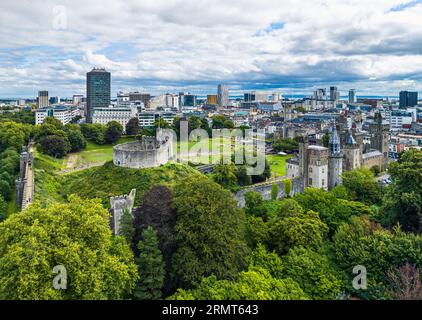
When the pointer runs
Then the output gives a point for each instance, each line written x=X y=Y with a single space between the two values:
x=159 y=46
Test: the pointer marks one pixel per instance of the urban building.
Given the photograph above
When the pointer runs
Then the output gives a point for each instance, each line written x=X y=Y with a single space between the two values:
x=321 y=167
x=43 y=101
x=145 y=98
x=77 y=99
x=98 y=91
x=401 y=119
x=64 y=113
x=148 y=118
x=222 y=95
x=352 y=96
x=186 y=101
x=334 y=94
x=54 y=100
x=212 y=99
x=120 y=114
x=255 y=96
x=408 y=99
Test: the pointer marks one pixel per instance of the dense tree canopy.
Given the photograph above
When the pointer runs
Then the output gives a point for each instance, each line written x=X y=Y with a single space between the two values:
x=132 y=127
x=361 y=185
x=403 y=199
x=151 y=267
x=210 y=232
x=255 y=284
x=75 y=235
x=113 y=132
x=314 y=273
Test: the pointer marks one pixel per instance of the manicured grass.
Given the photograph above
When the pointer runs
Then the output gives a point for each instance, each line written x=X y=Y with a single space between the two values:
x=93 y=154
x=278 y=164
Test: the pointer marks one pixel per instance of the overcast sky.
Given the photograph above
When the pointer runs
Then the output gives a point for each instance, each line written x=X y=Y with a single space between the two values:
x=289 y=46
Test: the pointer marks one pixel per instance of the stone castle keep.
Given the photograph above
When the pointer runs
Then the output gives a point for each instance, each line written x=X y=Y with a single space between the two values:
x=321 y=167
x=149 y=152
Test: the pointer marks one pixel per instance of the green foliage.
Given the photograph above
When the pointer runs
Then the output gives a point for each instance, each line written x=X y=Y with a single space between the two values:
x=305 y=230
x=361 y=185
x=243 y=178
x=151 y=267
x=127 y=228
x=94 y=132
x=285 y=145
x=402 y=202
x=75 y=137
x=376 y=170
x=254 y=205
x=3 y=208
x=269 y=261
x=51 y=121
x=274 y=191
x=110 y=180
x=364 y=243
x=132 y=127
x=289 y=208
x=161 y=123
x=13 y=135
x=210 y=232
x=5 y=189
x=314 y=273
x=287 y=187
x=326 y=140
x=54 y=146
x=22 y=116
x=257 y=231
x=255 y=284
x=265 y=175
x=340 y=192
x=332 y=211
x=225 y=175
x=75 y=235
x=221 y=122
x=113 y=132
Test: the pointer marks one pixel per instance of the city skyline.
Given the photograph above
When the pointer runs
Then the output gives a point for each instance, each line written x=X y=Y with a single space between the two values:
x=157 y=46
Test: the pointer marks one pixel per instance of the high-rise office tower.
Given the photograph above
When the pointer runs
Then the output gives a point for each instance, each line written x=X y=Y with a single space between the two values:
x=98 y=91
x=42 y=99
x=352 y=96
x=408 y=99
x=334 y=94
x=320 y=94
x=222 y=95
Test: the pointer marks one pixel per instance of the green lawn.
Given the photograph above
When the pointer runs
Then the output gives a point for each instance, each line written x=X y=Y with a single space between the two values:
x=278 y=164
x=94 y=154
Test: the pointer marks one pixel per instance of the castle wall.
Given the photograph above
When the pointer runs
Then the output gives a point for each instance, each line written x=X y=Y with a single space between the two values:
x=265 y=191
x=131 y=155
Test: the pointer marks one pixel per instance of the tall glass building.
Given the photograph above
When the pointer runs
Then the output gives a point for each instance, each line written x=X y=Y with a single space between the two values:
x=352 y=96
x=408 y=99
x=98 y=91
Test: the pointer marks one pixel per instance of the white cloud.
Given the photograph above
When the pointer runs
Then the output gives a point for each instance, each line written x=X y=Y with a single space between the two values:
x=159 y=44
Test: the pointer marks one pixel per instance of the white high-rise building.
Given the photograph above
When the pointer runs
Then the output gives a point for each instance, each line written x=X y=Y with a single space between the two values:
x=222 y=95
